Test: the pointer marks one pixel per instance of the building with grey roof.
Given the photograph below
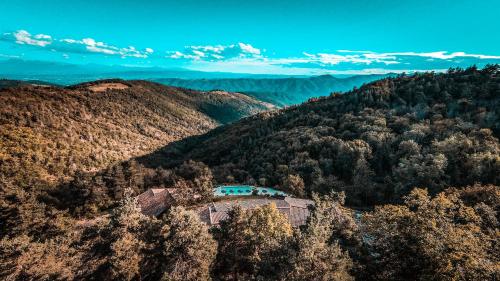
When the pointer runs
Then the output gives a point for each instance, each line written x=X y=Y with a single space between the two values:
x=296 y=210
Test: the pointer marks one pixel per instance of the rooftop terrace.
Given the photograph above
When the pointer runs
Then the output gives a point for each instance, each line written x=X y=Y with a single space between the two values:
x=295 y=209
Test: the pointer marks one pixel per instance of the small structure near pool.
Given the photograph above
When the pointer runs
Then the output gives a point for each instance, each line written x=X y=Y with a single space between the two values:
x=155 y=201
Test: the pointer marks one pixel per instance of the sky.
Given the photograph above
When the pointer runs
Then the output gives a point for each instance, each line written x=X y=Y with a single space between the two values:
x=265 y=37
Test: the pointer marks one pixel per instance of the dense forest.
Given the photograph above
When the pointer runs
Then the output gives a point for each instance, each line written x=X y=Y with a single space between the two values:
x=49 y=134
x=404 y=173
x=58 y=131
x=375 y=143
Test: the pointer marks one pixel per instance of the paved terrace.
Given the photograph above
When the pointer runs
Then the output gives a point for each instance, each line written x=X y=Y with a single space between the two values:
x=295 y=209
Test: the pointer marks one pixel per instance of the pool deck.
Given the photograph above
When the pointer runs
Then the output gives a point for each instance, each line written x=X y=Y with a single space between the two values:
x=245 y=190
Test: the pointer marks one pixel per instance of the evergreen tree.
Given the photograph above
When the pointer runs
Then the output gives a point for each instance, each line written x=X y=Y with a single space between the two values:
x=315 y=253
x=251 y=243
x=429 y=239
x=188 y=247
x=126 y=246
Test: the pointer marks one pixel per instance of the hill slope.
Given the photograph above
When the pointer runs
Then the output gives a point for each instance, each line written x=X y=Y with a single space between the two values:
x=375 y=143
x=278 y=91
x=7 y=83
x=48 y=133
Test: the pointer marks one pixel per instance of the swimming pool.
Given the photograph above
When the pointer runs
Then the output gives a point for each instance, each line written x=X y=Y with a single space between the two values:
x=245 y=190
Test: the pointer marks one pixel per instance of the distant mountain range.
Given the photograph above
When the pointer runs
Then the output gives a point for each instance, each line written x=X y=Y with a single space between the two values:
x=278 y=91
x=68 y=74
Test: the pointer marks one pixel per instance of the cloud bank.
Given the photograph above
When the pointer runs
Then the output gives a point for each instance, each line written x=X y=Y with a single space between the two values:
x=246 y=58
x=23 y=37
x=85 y=45
x=218 y=52
x=369 y=57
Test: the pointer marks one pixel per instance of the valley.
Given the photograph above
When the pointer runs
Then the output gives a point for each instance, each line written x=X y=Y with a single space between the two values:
x=232 y=140
x=276 y=90
x=144 y=172
x=51 y=132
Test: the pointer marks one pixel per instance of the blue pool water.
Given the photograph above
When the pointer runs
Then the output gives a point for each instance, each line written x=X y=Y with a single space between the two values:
x=245 y=190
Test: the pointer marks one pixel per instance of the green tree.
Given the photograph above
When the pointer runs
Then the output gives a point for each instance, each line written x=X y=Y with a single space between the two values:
x=294 y=184
x=250 y=243
x=316 y=253
x=198 y=176
x=126 y=256
x=428 y=239
x=188 y=247
x=126 y=247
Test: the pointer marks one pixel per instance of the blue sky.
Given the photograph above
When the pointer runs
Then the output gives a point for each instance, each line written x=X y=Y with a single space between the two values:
x=275 y=37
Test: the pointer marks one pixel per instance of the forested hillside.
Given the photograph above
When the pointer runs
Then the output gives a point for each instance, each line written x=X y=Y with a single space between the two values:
x=7 y=83
x=53 y=132
x=48 y=134
x=419 y=153
x=375 y=143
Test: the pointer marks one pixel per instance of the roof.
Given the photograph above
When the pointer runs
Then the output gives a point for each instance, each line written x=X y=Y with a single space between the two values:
x=296 y=210
x=154 y=201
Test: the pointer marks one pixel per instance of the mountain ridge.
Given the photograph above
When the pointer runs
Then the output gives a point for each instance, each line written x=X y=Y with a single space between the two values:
x=283 y=91
x=433 y=117
x=86 y=127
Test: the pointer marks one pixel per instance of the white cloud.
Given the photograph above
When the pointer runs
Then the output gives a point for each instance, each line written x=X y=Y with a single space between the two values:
x=247 y=48
x=199 y=53
x=217 y=52
x=354 y=58
x=445 y=56
x=351 y=51
x=70 y=45
x=94 y=46
x=243 y=57
x=278 y=66
x=96 y=49
x=334 y=59
x=70 y=41
x=24 y=37
x=346 y=63
x=179 y=55
x=215 y=56
x=213 y=49
x=176 y=55
x=43 y=36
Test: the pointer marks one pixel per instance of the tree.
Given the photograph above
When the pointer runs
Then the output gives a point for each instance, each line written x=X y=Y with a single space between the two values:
x=231 y=258
x=316 y=253
x=126 y=256
x=266 y=231
x=25 y=259
x=188 y=247
x=251 y=243
x=428 y=238
x=199 y=176
x=294 y=184
x=126 y=246
x=419 y=170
